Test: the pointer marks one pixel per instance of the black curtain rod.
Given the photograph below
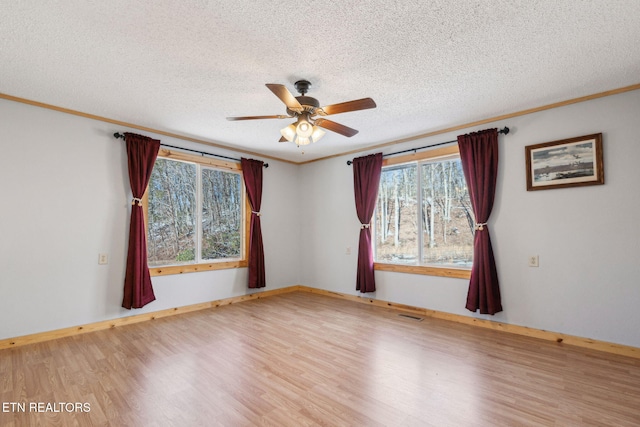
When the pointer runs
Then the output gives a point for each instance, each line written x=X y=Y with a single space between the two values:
x=504 y=130
x=202 y=153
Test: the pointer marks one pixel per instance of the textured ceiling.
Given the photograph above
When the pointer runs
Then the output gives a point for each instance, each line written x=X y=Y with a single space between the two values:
x=183 y=66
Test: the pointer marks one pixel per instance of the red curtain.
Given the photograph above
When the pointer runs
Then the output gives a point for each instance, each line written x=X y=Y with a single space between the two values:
x=479 y=157
x=141 y=153
x=366 y=180
x=252 y=173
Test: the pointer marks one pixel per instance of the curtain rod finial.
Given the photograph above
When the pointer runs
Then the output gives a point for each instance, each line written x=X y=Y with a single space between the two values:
x=118 y=135
x=504 y=130
x=349 y=162
x=266 y=165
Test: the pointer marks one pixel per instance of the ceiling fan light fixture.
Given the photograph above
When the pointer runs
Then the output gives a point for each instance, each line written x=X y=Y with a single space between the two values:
x=301 y=140
x=317 y=134
x=289 y=132
x=304 y=129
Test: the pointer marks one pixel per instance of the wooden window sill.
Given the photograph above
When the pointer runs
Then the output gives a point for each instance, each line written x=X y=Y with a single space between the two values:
x=457 y=273
x=195 y=268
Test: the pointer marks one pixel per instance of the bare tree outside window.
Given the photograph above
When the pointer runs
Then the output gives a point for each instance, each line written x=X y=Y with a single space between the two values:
x=194 y=214
x=221 y=214
x=447 y=215
x=396 y=216
x=423 y=215
x=171 y=214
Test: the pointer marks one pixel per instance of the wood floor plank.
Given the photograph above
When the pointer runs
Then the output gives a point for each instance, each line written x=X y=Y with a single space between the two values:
x=303 y=359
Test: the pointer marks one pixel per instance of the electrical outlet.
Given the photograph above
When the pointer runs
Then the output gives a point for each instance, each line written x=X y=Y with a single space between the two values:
x=534 y=261
x=103 y=259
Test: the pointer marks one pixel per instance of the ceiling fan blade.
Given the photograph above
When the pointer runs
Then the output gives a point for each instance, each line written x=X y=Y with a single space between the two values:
x=336 y=127
x=344 y=107
x=285 y=96
x=281 y=116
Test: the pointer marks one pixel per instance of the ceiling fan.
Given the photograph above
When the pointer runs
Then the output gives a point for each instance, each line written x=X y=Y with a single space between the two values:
x=309 y=114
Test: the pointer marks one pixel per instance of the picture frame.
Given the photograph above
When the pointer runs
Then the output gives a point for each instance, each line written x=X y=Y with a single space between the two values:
x=565 y=163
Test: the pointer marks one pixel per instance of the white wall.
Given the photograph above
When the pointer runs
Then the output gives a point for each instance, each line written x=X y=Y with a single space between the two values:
x=588 y=238
x=65 y=198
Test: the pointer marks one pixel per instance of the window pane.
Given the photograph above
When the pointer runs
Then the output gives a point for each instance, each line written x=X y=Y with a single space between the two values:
x=396 y=216
x=447 y=217
x=172 y=213
x=221 y=214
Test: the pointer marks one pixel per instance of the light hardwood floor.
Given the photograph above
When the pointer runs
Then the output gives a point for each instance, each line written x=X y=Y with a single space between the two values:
x=301 y=359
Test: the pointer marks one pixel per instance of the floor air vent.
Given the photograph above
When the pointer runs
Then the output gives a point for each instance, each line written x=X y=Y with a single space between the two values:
x=408 y=316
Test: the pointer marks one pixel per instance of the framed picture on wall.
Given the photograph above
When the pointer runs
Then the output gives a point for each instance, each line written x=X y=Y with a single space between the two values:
x=566 y=163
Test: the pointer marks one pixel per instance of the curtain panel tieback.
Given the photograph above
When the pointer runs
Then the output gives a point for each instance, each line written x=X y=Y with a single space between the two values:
x=141 y=156
x=366 y=180
x=252 y=175
x=479 y=159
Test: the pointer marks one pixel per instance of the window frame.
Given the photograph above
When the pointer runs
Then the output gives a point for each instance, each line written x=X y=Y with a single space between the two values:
x=428 y=270
x=243 y=261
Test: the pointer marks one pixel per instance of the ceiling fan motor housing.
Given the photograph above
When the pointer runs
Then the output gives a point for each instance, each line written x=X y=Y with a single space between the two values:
x=308 y=103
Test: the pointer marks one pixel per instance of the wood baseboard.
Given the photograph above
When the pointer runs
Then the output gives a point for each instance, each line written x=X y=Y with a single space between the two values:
x=129 y=320
x=561 y=339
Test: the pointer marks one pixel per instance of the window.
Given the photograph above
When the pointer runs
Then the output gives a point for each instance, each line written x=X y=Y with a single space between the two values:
x=423 y=217
x=195 y=214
